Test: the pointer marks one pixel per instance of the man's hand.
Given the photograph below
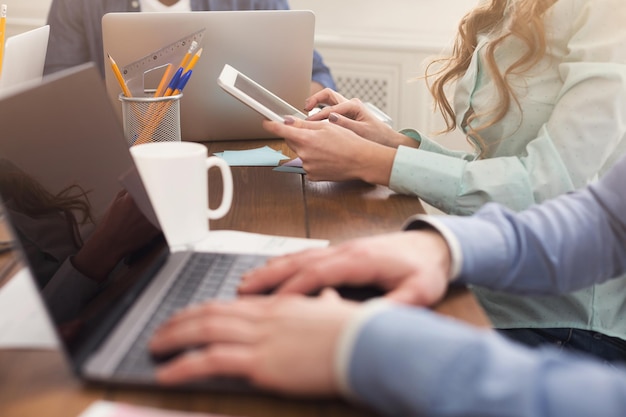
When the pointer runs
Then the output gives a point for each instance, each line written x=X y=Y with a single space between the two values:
x=284 y=343
x=412 y=266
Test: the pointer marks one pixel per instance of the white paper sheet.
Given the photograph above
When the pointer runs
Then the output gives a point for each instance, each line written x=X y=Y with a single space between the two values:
x=23 y=322
x=103 y=408
x=244 y=242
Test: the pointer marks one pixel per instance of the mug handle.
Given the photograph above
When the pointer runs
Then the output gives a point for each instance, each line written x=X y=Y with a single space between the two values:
x=227 y=181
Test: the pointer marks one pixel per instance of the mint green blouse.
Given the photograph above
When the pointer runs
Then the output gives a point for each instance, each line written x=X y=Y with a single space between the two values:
x=573 y=129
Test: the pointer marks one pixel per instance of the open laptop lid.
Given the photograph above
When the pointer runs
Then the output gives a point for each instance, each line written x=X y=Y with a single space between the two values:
x=64 y=166
x=24 y=57
x=273 y=47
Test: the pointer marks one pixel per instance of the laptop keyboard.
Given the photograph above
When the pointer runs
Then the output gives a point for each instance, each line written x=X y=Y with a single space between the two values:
x=205 y=276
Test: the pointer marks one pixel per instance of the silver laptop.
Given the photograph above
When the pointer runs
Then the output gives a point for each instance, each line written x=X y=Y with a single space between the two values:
x=24 y=57
x=65 y=163
x=274 y=47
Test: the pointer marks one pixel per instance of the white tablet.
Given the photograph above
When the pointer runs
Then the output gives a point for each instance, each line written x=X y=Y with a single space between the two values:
x=256 y=96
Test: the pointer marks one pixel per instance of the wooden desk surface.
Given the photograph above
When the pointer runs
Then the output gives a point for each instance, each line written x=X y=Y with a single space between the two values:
x=265 y=201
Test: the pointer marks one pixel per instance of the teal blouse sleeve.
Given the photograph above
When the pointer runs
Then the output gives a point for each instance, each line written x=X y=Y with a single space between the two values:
x=458 y=184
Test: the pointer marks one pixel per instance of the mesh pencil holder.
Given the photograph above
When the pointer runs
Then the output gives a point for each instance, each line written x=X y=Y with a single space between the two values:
x=151 y=119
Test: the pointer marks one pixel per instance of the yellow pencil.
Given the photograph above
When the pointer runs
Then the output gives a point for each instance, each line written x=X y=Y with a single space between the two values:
x=157 y=114
x=194 y=60
x=118 y=76
x=192 y=48
x=3 y=27
x=163 y=83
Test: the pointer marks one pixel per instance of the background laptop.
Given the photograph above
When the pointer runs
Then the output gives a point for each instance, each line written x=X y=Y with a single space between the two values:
x=24 y=57
x=59 y=160
x=273 y=47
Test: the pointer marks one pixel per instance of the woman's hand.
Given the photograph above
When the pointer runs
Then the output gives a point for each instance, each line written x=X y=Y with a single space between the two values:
x=355 y=116
x=332 y=153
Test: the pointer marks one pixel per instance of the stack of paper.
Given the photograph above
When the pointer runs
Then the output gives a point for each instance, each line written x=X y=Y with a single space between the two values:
x=102 y=408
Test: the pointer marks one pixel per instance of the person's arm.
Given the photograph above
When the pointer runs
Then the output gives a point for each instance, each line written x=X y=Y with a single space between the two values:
x=321 y=72
x=400 y=360
x=406 y=361
x=586 y=129
x=565 y=244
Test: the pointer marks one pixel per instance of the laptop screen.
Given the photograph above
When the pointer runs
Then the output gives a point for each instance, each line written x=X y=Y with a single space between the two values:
x=24 y=57
x=76 y=204
x=278 y=56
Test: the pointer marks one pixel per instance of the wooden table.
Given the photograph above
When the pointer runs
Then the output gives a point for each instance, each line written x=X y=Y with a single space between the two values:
x=38 y=383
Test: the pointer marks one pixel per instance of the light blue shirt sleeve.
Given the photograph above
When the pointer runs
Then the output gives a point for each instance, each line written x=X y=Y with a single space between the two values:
x=321 y=72
x=407 y=361
x=565 y=244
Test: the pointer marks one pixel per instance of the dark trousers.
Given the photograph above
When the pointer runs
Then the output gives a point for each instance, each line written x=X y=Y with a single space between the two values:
x=607 y=348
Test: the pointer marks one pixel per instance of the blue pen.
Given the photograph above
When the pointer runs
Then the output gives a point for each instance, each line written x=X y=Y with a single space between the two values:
x=174 y=82
x=183 y=82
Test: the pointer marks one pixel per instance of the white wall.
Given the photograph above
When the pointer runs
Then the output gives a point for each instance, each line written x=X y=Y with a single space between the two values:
x=25 y=14
x=423 y=21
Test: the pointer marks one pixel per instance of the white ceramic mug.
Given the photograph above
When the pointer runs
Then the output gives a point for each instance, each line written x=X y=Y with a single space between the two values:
x=175 y=175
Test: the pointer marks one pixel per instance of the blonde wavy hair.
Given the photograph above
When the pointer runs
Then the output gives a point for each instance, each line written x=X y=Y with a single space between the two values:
x=526 y=24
